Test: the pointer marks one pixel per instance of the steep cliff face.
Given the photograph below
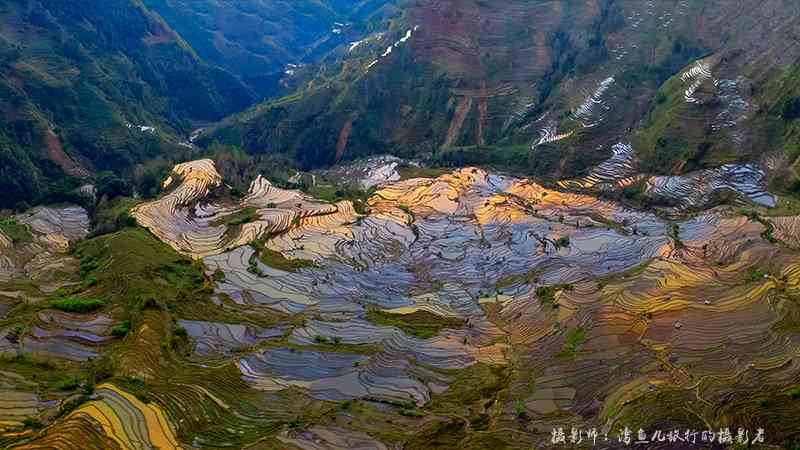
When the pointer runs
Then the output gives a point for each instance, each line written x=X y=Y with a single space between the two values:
x=548 y=87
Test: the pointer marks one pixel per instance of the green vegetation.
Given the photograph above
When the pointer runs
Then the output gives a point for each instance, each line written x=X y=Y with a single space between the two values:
x=294 y=29
x=70 y=87
x=32 y=422
x=529 y=277
x=238 y=218
x=471 y=395
x=320 y=187
x=113 y=216
x=147 y=288
x=790 y=108
x=674 y=138
x=276 y=260
x=68 y=384
x=121 y=330
x=769 y=229
x=136 y=386
x=621 y=276
x=547 y=294
x=674 y=232
x=408 y=171
x=575 y=337
x=412 y=412
x=134 y=270
x=421 y=324
x=179 y=340
x=99 y=370
x=16 y=231
x=519 y=409
x=754 y=274
x=77 y=305
x=794 y=393
x=438 y=435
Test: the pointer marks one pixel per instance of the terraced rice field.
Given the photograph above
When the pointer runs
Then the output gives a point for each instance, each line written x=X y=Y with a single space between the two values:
x=120 y=418
x=40 y=252
x=557 y=309
x=693 y=191
x=70 y=336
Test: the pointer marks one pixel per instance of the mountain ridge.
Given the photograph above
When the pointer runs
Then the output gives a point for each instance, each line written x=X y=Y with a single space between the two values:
x=91 y=87
x=460 y=91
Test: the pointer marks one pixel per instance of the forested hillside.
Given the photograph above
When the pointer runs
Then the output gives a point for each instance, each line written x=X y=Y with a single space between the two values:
x=399 y=224
x=92 y=86
x=259 y=40
x=74 y=75
x=549 y=87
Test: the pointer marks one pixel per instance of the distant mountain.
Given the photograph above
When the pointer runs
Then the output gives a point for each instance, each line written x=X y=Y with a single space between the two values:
x=548 y=87
x=74 y=75
x=90 y=86
x=259 y=39
x=544 y=87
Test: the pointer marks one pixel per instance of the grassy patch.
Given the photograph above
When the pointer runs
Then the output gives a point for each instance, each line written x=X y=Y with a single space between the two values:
x=16 y=231
x=121 y=330
x=336 y=192
x=276 y=260
x=32 y=423
x=135 y=386
x=114 y=217
x=48 y=374
x=634 y=271
x=575 y=337
x=547 y=294
x=67 y=384
x=562 y=242
x=794 y=393
x=77 y=305
x=409 y=171
x=472 y=393
x=411 y=412
x=421 y=324
x=133 y=269
x=754 y=274
x=519 y=409
x=531 y=276
x=238 y=218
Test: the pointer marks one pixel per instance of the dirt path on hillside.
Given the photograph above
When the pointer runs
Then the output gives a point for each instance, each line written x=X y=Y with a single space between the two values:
x=344 y=136
x=57 y=154
x=463 y=108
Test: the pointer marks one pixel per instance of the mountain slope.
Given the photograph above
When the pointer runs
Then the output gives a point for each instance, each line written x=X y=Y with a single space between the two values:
x=544 y=87
x=74 y=75
x=258 y=39
x=471 y=310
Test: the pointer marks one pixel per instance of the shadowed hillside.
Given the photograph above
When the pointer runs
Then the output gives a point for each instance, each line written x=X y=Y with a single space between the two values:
x=74 y=75
x=92 y=86
x=548 y=87
x=260 y=40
